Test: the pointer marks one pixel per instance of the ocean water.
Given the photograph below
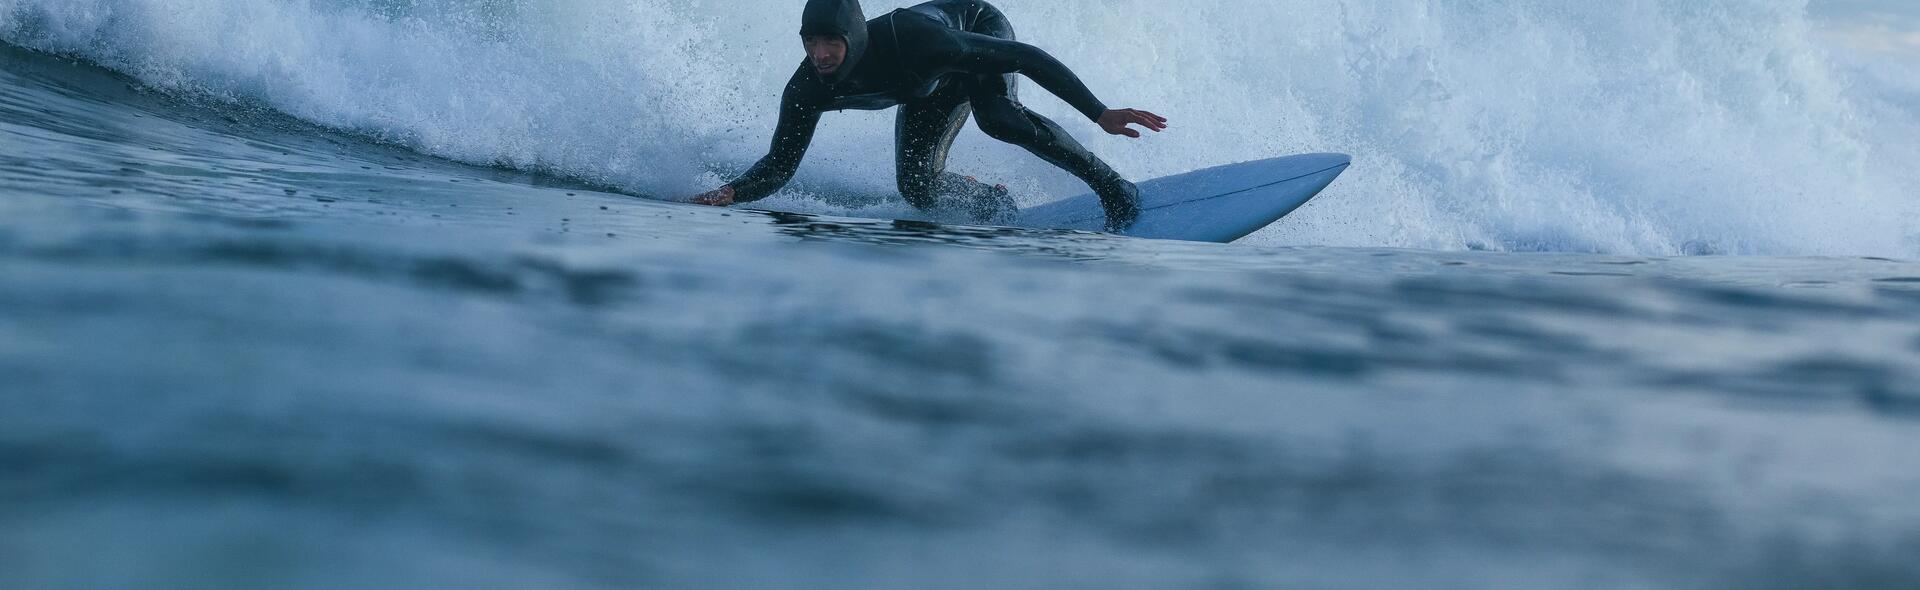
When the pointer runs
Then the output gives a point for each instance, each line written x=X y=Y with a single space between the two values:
x=322 y=294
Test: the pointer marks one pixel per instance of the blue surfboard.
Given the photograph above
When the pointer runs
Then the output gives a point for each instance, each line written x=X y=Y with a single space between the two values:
x=1219 y=204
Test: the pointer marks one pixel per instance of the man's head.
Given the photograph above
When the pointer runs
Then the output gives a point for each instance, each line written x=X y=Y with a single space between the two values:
x=826 y=52
x=835 y=35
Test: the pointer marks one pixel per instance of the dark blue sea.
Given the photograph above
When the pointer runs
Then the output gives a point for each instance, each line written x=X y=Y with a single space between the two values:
x=285 y=304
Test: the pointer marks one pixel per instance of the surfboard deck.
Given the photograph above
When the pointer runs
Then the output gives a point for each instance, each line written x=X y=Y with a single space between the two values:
x=1219 y=204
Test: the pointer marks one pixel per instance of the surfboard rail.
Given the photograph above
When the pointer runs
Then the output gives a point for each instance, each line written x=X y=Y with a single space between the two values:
x=1217 y=204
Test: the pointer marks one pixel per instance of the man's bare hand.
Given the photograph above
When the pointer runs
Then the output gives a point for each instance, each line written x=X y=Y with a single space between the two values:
x=720 y=197
x=1115 y=121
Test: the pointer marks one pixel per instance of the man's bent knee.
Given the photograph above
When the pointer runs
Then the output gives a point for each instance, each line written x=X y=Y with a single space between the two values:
x=1021 y=132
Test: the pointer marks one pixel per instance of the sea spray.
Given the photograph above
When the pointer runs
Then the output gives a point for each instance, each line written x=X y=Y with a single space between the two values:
x=1640 y=126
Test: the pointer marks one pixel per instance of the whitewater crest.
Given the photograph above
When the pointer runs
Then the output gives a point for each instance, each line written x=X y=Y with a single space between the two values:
x=1639 y=127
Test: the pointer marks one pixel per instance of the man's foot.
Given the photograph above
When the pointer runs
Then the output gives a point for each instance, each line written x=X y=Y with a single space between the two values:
x=1121 y=199
x=990 y=203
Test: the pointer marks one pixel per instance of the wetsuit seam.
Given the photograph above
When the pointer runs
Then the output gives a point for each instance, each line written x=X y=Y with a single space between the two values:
x=893 y=28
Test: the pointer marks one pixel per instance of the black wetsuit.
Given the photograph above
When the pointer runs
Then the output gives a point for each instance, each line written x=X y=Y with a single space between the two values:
x=938 y=61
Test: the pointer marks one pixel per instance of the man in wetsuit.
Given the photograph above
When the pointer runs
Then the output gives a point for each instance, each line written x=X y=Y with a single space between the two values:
x=938 y=61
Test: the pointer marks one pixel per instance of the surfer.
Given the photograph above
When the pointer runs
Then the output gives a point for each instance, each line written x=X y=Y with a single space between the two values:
x=939 y=61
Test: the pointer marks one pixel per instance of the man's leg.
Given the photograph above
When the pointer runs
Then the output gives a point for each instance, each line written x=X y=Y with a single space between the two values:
x=924 y=133
x=1002 y=116
x=996 y=105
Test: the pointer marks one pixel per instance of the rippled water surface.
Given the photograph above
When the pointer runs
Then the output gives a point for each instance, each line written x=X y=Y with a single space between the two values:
x=240 y=351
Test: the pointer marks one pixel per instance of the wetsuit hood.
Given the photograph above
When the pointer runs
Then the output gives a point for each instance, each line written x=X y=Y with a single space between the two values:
x=842 y=18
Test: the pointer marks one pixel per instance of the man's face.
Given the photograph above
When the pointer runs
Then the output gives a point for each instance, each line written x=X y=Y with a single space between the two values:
x=825 y=52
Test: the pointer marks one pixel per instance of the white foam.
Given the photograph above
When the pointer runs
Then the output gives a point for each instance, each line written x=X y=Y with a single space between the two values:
x=1640 y=126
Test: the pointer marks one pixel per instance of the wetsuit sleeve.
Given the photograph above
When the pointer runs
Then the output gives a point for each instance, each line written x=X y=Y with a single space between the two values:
x=799 y=116
x=982 y=54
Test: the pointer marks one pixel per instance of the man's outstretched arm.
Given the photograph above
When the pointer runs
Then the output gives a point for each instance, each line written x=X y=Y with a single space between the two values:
x=982 y=54
x=791 y=137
